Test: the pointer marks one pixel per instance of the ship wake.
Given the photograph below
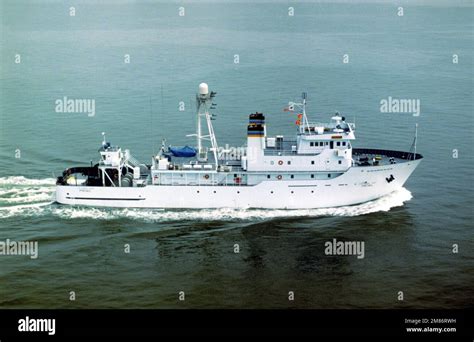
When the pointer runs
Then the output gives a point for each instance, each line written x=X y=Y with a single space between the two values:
x=24 y=197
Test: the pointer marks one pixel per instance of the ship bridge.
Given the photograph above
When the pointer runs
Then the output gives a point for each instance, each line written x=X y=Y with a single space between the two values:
x=317 y=147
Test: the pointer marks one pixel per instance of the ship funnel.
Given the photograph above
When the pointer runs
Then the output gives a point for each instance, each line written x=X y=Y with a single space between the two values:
x=256 y=133
x=257 y=118
x=256 y=127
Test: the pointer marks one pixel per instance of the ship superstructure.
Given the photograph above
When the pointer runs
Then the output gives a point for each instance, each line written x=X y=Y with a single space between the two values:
x=317 y=168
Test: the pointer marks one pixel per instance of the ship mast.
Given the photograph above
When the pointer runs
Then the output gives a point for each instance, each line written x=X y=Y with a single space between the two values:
x=302 y=107
x=204 y=102
x=416 y=137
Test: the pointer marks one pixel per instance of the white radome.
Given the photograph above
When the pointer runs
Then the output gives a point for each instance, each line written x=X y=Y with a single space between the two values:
x=203 y=89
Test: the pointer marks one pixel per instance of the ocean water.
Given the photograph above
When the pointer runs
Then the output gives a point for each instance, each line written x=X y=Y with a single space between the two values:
x=408 y=235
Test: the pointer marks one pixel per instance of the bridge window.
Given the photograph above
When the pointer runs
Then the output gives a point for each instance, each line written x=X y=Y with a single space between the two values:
x=340 y=161
x=329 y=175
x=292 y=176
x=312 y=162
x=312 y=176
x=311 y=143
x=338 y=143
x=343 y=143
x=268 y=176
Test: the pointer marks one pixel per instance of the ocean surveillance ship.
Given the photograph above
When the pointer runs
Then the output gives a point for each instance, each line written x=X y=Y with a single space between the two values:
x=316 y=169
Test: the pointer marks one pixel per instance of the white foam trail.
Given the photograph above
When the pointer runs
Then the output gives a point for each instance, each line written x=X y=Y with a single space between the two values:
x=25 y=195
x=66 y=212
x=31 y=198
x=395 y=199
x=20 y=180
x=37 y=209
x=29 y=195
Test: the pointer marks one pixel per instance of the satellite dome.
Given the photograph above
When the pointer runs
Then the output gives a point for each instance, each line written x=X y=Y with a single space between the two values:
x=203 y=89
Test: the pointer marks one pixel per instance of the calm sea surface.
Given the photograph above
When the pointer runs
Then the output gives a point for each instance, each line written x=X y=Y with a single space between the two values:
x=408 y=235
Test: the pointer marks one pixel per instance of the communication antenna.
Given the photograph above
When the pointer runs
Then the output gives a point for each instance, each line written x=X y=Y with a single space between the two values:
x=302 y=107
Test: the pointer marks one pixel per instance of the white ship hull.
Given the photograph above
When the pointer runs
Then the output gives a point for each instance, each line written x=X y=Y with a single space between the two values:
x=357 y=185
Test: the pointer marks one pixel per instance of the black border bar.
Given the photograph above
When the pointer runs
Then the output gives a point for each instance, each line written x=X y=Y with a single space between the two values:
x=190 y=322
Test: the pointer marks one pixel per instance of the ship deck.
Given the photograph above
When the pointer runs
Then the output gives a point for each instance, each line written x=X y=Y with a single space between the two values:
x=376 y=157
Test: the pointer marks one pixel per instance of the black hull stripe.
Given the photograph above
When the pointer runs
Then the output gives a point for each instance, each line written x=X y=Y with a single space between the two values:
x=303 y=186
x=106 y=199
